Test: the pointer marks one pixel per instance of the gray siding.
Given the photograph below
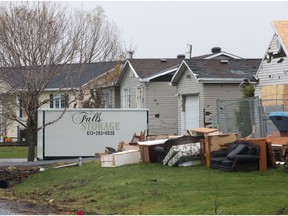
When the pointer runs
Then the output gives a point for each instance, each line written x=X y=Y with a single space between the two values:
x=162 y=104
x=212 y=92
x=189 y=87
x=272 y=73
x=159 y=98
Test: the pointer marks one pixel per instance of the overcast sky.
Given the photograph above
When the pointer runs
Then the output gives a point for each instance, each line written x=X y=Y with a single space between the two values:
x=162 y=29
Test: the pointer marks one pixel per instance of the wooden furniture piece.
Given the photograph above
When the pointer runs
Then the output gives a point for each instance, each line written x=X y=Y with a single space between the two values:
x=136 y=138
x=216 y=142
x=120 y=158
x=202 y=132
x=262 y=142
x=281 y=142
x=146 y=149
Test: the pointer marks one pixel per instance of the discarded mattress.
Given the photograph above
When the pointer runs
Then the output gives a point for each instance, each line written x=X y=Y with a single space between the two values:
x=182 y=153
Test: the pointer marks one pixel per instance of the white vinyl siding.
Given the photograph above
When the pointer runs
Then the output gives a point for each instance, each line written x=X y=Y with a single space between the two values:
x=272 y=73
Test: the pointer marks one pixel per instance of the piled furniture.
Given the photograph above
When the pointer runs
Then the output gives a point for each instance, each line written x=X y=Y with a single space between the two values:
x=154 y=151
x=179 y=154
x=280 y=141
x=240 y=155
x=213 y=143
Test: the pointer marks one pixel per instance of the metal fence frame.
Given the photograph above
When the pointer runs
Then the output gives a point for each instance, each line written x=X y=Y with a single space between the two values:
x=247 y=116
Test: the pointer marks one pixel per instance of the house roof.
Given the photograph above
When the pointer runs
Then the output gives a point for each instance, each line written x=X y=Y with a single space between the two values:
x=83 y=73
x=145 y=68
x=219 y=70
x=281 y=29
x=80 y=74
x=148 y=69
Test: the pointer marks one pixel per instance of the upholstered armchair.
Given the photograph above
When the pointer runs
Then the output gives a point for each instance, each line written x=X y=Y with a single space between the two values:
x=238 y=156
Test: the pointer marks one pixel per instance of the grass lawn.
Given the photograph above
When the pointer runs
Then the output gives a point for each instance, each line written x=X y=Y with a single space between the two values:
x=157 y=189
x=13 y=152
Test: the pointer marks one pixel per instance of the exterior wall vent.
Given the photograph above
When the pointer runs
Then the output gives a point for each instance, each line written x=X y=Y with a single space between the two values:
x=224 y=61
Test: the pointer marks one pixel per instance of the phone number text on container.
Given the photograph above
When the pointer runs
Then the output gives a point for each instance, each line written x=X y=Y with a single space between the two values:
x=100 y=133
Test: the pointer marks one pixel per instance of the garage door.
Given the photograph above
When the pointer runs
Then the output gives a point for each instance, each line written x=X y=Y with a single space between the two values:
x=191 y=116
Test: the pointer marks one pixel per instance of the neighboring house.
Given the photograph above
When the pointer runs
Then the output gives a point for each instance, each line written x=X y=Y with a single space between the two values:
x=89 y=76
x=200 y=82
x=62 y=92
x=144 y=83
x=272 y=75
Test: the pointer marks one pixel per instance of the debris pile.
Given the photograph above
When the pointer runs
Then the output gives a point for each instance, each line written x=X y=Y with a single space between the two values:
x=12 y=175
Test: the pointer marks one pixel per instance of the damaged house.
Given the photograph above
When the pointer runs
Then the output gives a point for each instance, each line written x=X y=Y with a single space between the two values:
x=200 y=82
x=272 y=75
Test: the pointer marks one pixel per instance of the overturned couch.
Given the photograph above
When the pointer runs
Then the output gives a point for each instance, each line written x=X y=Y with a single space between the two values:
x=240 y=155
x=179 y=150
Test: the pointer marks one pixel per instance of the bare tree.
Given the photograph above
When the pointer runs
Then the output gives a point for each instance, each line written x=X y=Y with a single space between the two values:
x=39 y=46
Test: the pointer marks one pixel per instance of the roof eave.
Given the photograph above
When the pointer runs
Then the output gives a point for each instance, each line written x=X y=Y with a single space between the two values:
x=176 y=76
x=221 y=80
x=148 y=79
x=223 y=53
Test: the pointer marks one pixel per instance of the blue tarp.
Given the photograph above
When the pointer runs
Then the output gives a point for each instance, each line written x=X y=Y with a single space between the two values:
x=280 y=120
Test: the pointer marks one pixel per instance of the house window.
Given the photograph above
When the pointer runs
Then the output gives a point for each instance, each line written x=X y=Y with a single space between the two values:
x=58 y=101
x=107 y=99
x=139 y=97
x=127 y=98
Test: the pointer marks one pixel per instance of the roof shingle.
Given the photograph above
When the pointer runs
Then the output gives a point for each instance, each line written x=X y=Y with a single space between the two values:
x=232 y=68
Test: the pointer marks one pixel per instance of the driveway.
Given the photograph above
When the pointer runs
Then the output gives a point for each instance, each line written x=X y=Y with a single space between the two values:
x=22 y=162
x=10 y=207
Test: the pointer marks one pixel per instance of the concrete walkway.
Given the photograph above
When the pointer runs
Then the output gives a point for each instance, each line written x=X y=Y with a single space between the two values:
x=22 y=162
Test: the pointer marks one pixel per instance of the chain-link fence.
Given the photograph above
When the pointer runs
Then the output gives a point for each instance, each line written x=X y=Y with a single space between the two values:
x=248 y=117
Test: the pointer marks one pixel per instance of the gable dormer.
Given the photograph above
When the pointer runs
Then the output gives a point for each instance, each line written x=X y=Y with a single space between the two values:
x=272 y=74
x=217 y=53
x=278 y=48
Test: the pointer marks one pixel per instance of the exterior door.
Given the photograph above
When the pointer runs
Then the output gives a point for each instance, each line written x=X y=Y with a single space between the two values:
x=191 y=115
